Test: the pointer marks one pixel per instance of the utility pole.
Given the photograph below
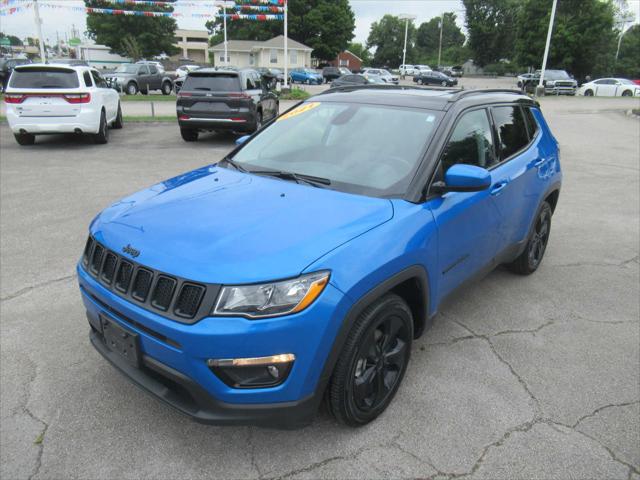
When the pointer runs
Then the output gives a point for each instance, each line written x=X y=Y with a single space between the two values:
x=36 y=11
x=286 y=56
x=440 y=46
x=540 y=88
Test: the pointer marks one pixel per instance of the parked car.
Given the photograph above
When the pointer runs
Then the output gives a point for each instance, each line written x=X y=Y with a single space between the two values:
x=301 y=267
x=421 y=68
x=6 y=67
x=434 y=78
x=212 y=100
x=406 y=69
x=272 y=75
x=457 y=71
x=132 y=78
x=357 y=79
x=305 y=75
x=158 y=65
x=329 y=74
x=609 y=87
x=523 y=77
x=44 y=99
x=556 y=82
x=382 y=73
x=69 y=61
x=181 y=74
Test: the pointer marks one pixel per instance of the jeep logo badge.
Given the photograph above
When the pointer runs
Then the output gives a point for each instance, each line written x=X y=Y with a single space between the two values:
x=131 y=251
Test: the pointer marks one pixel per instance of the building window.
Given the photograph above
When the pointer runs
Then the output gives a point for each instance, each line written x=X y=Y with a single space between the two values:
x=222 y=57
x=273 y=55
x=196 y=40
x=344 y=62
x=293 y=57
x=252 y=59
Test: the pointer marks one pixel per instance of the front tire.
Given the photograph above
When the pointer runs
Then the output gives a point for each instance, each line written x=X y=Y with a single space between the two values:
x=166 y=88
x=118 y=123
x=189 y=134
x=588 y=93
x=132 y=89
x=25 y=138
x=531 y=258
x=102 y=136
x=627 y=93
x=419 y=81
x=444 y=84
x=373 y=362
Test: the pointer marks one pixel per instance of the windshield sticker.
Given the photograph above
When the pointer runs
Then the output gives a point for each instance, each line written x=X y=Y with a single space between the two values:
x=298 y=110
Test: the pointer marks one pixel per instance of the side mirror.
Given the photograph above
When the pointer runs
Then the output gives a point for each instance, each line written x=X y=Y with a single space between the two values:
x=241 y=140
x=463 y=178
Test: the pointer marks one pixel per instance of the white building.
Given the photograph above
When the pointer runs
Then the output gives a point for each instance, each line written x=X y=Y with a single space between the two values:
x=270 y=53
x=100 y=56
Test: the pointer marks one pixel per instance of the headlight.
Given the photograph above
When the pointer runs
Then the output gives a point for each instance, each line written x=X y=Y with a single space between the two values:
x=271 y=299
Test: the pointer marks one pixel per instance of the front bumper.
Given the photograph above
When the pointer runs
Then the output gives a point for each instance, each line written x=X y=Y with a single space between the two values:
x=174 y=357
x=548 y=90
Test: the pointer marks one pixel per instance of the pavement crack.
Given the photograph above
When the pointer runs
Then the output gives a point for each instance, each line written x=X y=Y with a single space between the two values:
x=599 y=409
x=533 y=330
x=39 y=441
x=599 y=264
x=28 y=289
x=252 y=450
x=322 y=463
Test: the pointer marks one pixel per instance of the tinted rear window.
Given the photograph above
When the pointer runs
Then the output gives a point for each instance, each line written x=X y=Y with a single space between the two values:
x=512 y=132
x=44 y=78
x=213 y=83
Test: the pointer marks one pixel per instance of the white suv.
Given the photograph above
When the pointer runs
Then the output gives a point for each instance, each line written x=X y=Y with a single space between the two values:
x=43 y=99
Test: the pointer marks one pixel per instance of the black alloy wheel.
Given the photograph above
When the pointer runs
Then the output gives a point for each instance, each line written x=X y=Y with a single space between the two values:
x=626 y=93
x=118 y=122
x=103 y=131
x=373 y=361
x=529 y=261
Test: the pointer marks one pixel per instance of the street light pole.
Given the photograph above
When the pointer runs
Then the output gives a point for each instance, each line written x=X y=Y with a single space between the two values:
x=36 y=11
x=406 y=17
x=540 y=89
x=286 y=56
x=224 y=21
x=440 y=46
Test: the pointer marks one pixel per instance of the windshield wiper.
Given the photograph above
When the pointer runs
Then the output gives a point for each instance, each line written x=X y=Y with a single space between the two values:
x=234 y=164
x=296 y=177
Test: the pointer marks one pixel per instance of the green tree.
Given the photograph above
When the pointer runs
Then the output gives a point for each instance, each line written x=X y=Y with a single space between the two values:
x=387 y=37
x=428 y=36
x=151 y=35
x=628 y=64
x=491 y=28
x=361 y=51
x=13 y=40
x=324 y=25
x=583 y=38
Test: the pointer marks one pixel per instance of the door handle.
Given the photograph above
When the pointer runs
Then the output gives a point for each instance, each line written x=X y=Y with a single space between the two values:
x=497 y=188
x=539 y=162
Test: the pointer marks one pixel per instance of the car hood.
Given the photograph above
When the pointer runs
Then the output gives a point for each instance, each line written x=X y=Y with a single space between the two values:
x=217 y=225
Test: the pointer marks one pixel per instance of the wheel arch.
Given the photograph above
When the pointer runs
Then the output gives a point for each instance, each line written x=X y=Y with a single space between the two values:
x=412 y=284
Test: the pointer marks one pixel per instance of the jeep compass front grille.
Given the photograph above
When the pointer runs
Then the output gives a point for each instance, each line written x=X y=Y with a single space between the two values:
x=170 y=296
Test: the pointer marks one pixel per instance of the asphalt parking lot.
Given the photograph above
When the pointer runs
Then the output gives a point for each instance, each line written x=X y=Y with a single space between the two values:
x=520 y=377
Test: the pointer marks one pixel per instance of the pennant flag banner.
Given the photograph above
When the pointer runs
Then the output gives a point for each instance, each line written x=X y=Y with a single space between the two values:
x=259 y=8
x=259 y=18
x=9 y=10
x=260 y=2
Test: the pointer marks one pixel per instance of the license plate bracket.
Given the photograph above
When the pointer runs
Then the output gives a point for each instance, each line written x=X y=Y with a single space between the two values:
x=121 y=341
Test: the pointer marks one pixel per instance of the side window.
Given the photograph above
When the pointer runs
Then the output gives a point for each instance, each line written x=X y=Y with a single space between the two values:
x=512 y=132
x=249 y=82
x=144 y=70
x=471 y=142
x=87 y=79
x=600 y=82
x=257 y=80
x=532 y=124
x=153 y=69
x=98 y=80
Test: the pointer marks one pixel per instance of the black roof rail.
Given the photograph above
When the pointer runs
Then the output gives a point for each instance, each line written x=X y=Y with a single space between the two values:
x=465 y=93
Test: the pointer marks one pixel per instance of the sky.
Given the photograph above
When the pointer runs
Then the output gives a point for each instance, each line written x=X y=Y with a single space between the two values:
x=366 y=11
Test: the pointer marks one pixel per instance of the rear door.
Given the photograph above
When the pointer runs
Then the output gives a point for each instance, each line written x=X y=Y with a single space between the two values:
x=144 y=78
x=516 y=179
x=45 y=88
x=212 y=95
x=155 y=78
x=110 y=97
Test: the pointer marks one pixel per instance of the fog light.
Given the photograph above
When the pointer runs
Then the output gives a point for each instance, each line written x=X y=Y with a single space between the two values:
x=255 y=372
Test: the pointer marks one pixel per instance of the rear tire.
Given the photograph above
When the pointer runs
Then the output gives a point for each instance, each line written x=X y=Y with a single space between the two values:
x=189 y=134
x=372 y=363
x=132 y=89
x=166 y=88
x=444 y=84
x=627 y=93
x=419 y=81
x=25 y=138
x=531 y=258
x=118 y=123
x=102 y=136
x=258 y=121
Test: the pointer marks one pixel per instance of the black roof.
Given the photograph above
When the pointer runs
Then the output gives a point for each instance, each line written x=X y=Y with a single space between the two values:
x=433 y=98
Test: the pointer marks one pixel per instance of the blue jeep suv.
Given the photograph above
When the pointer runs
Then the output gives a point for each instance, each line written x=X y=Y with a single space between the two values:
x=301 y=266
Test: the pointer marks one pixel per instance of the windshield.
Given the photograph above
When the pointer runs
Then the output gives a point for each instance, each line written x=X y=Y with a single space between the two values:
x=375 y=79
x=127 y=69
x=556 y=75
x=44 y=77
x=308 y=70
x=367 y=149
